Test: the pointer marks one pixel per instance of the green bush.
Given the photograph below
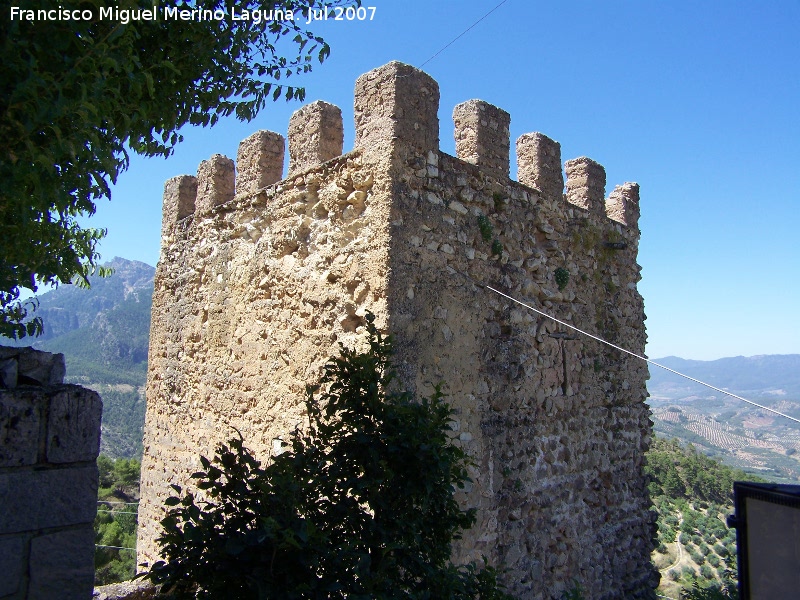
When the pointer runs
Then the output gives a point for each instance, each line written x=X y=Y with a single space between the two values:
x=359 y=506
x=715 y=591
x=116 y=529
x=105 y=467
x=116 y=521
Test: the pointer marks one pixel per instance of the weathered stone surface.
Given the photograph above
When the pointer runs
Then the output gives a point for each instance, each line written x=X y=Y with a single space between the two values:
x=482 y=135
x=622 y=205
x=62 y=565
x=259 y=161
x=47 y=498
x=180 y=194
x=13 y=564
x=8 y=373
x=73 y=432
x=586 y=183
x=127 y=590
x=251 y=304
x=20 y=414
x=26 y=366
x=397 y=103
x=216 y=182
x=316 y=134
x=539 y=164
x=49 y=440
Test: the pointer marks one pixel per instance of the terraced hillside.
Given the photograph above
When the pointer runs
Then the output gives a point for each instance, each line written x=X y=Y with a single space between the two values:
x=754 y=442
x=740 y=434
x=692 y=494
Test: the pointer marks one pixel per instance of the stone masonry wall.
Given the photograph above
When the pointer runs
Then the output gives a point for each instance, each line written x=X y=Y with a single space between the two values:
x=49 y=441
x=255 y=288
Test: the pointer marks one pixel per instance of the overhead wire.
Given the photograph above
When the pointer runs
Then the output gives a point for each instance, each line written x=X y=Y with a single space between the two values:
x=455 y=39
x=621 y=349
x=113 y=511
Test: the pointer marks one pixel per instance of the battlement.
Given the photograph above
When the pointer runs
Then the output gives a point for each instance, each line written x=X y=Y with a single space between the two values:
x=396 y=109
x=316 y=134
x=263 y=274
x=482 y=135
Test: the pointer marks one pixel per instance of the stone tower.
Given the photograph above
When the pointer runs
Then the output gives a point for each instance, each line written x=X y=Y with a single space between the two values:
x=260 y=278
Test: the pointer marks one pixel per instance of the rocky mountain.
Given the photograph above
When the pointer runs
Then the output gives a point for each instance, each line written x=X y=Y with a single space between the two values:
x=103 y=332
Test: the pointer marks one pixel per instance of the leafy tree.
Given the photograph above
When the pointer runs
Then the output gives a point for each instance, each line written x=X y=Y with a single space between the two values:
x=77 y=95
x=116 y=520
x=126 y=472
x=359 y=506
x=105 y=467
x=114 y=531
x=715 y=591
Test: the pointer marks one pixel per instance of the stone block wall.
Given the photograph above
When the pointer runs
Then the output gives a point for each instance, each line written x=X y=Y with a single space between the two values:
x=49 y=442
x=254 y=294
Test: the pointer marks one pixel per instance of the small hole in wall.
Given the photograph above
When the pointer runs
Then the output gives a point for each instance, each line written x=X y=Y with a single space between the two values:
x=353 y=322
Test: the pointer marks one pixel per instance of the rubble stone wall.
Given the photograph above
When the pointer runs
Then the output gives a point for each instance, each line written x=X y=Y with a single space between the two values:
x=49 y=442
x=255 y=289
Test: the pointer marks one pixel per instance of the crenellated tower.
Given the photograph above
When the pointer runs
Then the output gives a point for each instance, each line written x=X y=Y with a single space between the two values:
x=261 y=277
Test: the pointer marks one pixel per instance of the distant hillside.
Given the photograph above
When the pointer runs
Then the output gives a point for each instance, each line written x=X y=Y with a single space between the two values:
x=740 y=434
x=767 y=376
x=103 y=333
x=692 y=495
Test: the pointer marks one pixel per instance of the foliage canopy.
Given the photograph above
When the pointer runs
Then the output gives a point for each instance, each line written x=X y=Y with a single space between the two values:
x=77 y=95
x=678 y=472
x=115 y=522
x=360 y=505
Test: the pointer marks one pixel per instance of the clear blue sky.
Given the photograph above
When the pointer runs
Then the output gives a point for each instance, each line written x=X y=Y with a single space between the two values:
x=697 y=102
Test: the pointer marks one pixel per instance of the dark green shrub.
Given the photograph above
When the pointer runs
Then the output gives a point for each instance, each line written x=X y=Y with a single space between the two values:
x=715 y=591
x=562 y=277
x=497 y=248
x=575 y=593
x=359 y=506
x=105 y=468
x=485 y=228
